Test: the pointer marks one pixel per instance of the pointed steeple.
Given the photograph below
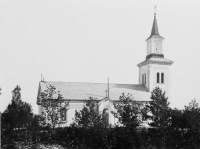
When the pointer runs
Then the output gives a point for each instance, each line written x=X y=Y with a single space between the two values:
x=154 y=30
x=154 y=42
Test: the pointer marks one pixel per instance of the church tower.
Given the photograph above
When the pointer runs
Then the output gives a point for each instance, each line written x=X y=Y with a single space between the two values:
x=155 y=70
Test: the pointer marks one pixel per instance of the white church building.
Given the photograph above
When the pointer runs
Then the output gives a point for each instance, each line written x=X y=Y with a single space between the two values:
x=153 y=71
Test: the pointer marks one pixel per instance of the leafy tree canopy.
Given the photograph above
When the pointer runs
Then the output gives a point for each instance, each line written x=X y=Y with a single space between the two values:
x=18 y=113
x=89 y=116
x=158 y=110
x=53 y=108
x=127 y=111
x=192 y=115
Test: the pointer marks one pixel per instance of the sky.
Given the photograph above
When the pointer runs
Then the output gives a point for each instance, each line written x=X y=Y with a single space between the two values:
x=91 y=40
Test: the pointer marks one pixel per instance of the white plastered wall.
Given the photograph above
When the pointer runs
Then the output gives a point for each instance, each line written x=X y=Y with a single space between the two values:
x=151 y=45
x=71 y=112
x=154 y=69
x=151 y=71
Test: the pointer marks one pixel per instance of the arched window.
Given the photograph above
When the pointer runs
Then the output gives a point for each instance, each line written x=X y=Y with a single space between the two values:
x=63 y=115
x=142 y=78
x=158 y=77
x=162 y=77
x=106 y=116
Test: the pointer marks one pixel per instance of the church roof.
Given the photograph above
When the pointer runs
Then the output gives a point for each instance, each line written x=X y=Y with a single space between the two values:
x=156 y=60
x=82 y=90
x=154 y=30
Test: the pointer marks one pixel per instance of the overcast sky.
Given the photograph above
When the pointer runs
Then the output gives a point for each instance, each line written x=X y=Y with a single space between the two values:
x=91 y=40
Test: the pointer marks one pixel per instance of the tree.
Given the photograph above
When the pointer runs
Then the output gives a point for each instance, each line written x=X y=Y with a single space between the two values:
x=53 y=106
x=90 y=115
x=177 y=119
x=158 y=112
x=18 y=114
x=158 y=109
x=15 y=118
x=127 y=111
x=192 y=118
x=92 y=122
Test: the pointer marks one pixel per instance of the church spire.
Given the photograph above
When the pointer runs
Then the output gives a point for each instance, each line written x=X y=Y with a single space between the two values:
x=154 y=30
x=154 y=42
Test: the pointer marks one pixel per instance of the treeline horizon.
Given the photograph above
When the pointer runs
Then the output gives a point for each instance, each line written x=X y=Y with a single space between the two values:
x=168 y=128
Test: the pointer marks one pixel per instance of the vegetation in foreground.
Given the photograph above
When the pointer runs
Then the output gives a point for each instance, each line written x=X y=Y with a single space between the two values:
x=170 y=128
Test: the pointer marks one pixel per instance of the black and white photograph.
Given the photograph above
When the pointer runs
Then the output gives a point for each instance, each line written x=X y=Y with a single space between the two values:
x=99 y=74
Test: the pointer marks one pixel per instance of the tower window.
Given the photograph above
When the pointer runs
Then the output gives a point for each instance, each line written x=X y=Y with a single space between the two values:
x=157 y=47
x=142 y=79
x=158 y=77
x=162 y=77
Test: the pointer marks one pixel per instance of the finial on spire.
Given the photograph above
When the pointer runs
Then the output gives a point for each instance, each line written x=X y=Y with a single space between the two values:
x=155 y=11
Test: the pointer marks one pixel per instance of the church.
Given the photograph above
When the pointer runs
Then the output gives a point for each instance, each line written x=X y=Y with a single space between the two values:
x=153 y=71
